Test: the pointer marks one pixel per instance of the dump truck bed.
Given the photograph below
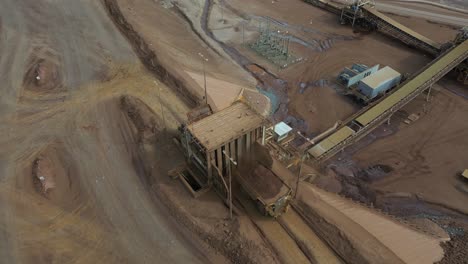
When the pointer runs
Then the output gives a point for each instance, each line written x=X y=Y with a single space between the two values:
x=258 y=174
x=263 y=184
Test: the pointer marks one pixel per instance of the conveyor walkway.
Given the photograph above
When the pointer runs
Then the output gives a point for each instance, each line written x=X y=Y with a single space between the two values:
x=385 y=25
x=392 y=28
x=369 y=120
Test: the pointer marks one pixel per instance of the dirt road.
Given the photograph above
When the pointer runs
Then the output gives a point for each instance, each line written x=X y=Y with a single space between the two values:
x=63 y=67
x=432 y=13
x=363 y=225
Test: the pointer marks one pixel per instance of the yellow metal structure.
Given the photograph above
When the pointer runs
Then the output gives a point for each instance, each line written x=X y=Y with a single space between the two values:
x=331 y=141
x=465 y=174
x=424 y=77
x=370 y=119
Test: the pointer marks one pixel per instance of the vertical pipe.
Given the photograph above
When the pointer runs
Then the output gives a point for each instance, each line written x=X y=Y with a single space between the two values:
x=248 y=142
x=229 y=160
x=204 y=78
x=208 y=166
x=232 y=148
x=220 y=160
x=189 y=146
x=230 y=190
x=226 y=156
x=263 y=135
x=240 y=146
x=428 y=97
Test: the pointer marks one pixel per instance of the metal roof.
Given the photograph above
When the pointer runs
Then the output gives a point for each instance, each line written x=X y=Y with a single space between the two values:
x=410 y=86
x=282 y=128
x=375 y=80
x=331 y=141
x=226 y=125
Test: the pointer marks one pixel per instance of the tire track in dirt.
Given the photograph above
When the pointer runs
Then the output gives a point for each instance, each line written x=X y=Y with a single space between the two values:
x=56 y=50
x=414 y=160
x=240 y=59
x=148 y=57
x=13 y=47
x=192 y=28
x=117 y=177
x=107 y=218
x=278 y=239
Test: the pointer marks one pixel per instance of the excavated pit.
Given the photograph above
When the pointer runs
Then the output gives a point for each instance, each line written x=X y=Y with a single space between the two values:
x=51 y=173
x=43 y=74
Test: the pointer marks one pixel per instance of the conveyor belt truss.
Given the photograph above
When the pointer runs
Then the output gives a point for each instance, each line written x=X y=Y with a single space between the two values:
x=366 y=122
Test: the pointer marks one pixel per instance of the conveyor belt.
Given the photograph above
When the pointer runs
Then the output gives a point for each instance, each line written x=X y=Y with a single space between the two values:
x=396 y=30
x=329 y=6
x=330 y=142
x=387 y=26
x=377 y=114
x=424 y=77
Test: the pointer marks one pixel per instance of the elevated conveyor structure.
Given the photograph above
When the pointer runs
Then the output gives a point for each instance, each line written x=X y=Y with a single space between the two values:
x=375 y=115
x=396 y=30
x=329 y=6
x=365 y=14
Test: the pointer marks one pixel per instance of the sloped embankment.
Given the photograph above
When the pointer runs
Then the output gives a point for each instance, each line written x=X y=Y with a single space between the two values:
x=164 y=72
x=366 y=236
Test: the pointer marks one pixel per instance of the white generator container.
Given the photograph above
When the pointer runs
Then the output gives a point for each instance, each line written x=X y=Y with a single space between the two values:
x=379 y=82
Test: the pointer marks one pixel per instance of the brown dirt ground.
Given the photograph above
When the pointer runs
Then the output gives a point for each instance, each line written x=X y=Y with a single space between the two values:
x=69 y=126
x=416 y=151
x=417 y=154
x=263 y=180
x=321 y=106
x=257 y=171
x=454 y=251
x=111 y=201
x=173 y=31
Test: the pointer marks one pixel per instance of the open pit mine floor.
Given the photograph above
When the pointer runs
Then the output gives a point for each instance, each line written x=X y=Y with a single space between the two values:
x=93 y=92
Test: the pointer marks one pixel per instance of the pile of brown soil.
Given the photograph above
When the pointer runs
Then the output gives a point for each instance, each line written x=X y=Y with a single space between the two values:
x=52 y=174
x=255 y=169
x=264 y=181
x=147 y=56
x=43 y=74
x=44 y=175
x=143 y=117
x=455 y=250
